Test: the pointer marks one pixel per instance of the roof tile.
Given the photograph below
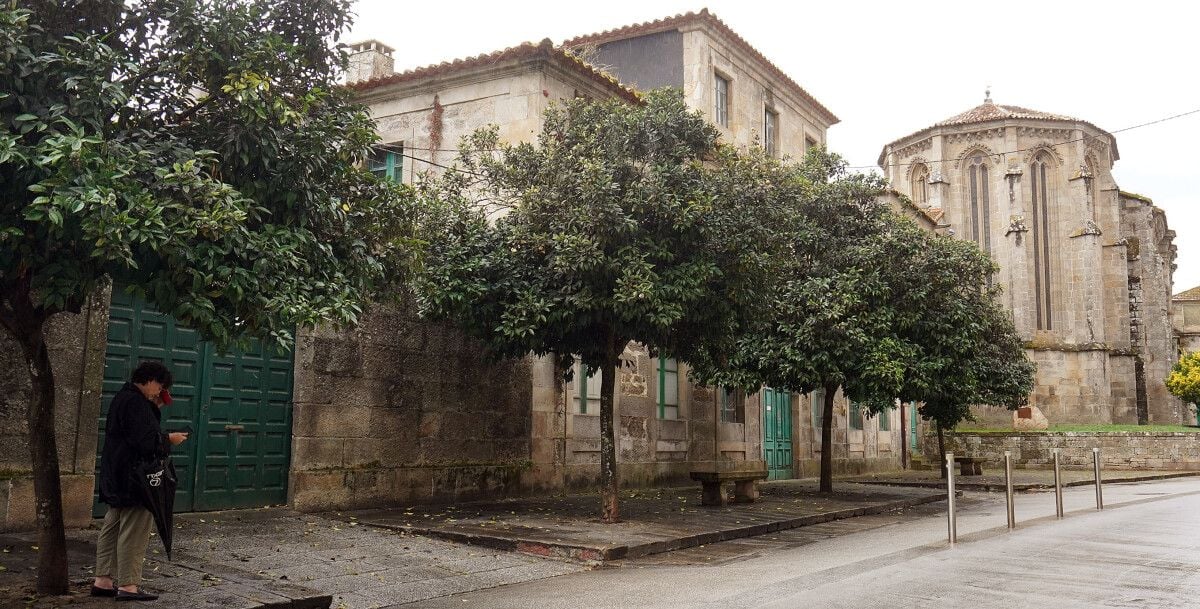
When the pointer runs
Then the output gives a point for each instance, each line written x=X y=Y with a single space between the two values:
x=1192 y=294
x=528 y=50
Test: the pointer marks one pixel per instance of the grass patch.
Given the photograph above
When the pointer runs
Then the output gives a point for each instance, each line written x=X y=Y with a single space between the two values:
x=1087 y=428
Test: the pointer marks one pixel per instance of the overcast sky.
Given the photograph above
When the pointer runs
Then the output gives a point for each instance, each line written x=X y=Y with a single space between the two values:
x=890 y=68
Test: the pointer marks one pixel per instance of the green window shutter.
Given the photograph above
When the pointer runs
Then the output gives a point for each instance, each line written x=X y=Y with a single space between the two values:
x=728 y=405
x=587 y=394
x=856 y=416
x=818 y=408
x=668 y=388
x=387 y=163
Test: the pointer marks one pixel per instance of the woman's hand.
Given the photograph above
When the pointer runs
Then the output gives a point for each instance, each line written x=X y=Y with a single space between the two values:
x=177 y=437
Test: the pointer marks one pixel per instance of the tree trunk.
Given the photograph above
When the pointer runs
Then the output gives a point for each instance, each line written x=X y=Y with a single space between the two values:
x=47 y=487
x=827 y=440
x=610 y=511
x=941 y=448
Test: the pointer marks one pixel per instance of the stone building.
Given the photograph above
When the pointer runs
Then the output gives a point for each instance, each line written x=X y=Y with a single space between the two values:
x=750 y=99
x=1086 y=268
x=1186 y=311
x=666 y=423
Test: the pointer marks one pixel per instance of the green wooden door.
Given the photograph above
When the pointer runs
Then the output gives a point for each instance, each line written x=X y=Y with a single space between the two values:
x=238 y=407
x=245 y=429
x=777 y=433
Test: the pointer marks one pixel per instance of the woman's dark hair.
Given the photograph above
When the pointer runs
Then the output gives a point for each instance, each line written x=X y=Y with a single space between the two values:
x=152 y=371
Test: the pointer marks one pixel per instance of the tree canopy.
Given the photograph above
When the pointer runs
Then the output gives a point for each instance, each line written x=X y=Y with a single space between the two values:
x=873 y=304
x=624 y=223
x=200 y=152
x=1184 y=380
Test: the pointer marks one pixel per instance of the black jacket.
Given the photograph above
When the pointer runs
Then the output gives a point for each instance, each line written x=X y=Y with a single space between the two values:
x=131 y=434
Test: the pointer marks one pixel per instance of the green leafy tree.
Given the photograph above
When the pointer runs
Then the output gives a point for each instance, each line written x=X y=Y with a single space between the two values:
x=624 y=223
x=199 y=151
x=964 y=349
x=827 y=312
x=1184 y=380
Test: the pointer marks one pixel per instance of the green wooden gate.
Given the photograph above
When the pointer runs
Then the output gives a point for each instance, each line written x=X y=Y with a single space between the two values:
x=237 y=405
x=777 y=433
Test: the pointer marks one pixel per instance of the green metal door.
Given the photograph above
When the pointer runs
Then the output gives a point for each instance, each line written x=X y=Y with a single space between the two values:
x=238 y=407
x=777 y=433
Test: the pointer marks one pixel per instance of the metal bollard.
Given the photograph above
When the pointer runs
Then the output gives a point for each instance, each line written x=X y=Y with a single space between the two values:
x=1058 y=506
x=1099 y=482
x=1008 y=489
x=951 y=520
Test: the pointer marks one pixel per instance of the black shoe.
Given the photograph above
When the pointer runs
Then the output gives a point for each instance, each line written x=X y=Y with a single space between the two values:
x=140 y=595
x=98 y=591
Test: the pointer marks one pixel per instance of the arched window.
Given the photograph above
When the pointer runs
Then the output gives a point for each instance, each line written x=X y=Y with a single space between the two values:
x=978 y=197
x=1041 y=190
x=920 y=185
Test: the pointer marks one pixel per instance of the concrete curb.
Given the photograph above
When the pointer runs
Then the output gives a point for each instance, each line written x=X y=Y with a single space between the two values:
x=601 y=553
x=1029 y=486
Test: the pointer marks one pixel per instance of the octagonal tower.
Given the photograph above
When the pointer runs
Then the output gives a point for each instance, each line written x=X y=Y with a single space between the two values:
x=1086 y=269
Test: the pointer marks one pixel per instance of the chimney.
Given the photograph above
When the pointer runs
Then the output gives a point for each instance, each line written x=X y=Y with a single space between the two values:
x=369 y=59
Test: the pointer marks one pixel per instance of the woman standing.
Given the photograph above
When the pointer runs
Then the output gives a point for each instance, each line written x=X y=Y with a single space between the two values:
x=132 y=434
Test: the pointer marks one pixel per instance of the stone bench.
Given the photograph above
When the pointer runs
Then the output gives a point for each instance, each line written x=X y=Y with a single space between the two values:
x=744 y=475
x=970 y=466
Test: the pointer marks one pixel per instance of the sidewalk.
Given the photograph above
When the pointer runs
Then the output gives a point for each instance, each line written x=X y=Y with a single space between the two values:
x=992 y=479
x=653 y=520
x=188 y=582
x=275 y=558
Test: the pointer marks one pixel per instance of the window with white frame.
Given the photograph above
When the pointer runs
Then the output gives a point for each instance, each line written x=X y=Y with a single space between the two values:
x=721 y=100
x=585 y=390
x=770 y=131
x=730 y=402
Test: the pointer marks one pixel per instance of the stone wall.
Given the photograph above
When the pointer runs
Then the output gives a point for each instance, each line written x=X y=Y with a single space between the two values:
x=1150 y=265
x=652 y=451
x=1133 y=450
x=400 y=411
x=855 y=451
x=76 y=343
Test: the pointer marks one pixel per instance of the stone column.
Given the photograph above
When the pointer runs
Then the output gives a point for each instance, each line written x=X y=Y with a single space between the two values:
x=1019 y=292
x=939 y=187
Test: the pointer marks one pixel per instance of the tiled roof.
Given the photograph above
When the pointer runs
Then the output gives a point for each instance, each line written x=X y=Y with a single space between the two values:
x=989 y=111
x=545 y=49
x=705 y=17
x=1192 y=294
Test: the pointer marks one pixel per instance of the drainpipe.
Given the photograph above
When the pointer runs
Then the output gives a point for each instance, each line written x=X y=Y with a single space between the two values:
x=83 y=362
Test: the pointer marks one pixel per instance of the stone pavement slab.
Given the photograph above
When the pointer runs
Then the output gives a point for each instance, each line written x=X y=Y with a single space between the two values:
x=279 y=559
x=1024 y=480
x=654 y=520
x=360 y=567
x=186 y=583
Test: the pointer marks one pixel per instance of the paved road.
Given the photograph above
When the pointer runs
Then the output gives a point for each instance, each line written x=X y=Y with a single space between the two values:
x=1144 y=551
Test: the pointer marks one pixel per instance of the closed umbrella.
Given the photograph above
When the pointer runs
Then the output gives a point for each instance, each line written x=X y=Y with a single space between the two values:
x=155 y=490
